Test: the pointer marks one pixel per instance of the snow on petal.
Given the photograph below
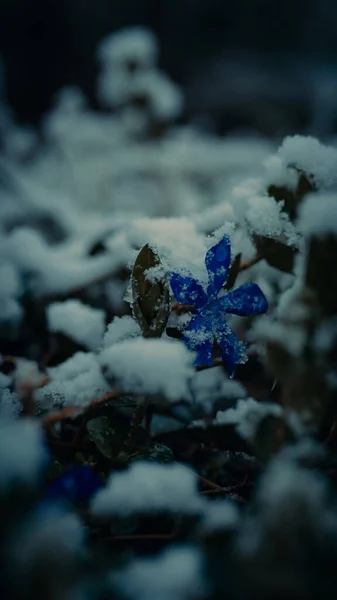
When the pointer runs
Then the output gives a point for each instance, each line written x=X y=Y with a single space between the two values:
x=246 y=300
x=199 y=337
x=187 y=290
x=233 y=351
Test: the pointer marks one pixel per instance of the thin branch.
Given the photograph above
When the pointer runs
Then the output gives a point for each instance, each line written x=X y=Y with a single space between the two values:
x=210 y=484
x=75 y=411
x=216 y=363
x=217 y=489
x=181 y=309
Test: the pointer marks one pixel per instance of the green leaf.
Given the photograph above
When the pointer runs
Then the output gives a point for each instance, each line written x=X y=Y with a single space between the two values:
x=275 y=252
x=108 y=434
x=155 y=451
x=151 y=301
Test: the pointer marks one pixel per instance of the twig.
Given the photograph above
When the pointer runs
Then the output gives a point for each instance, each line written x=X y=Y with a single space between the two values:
x=217 y=489
x=243 y=482
x=210 y=484
x=75 y=411
x=214 y=492
x=216 y=363
x=181 y=309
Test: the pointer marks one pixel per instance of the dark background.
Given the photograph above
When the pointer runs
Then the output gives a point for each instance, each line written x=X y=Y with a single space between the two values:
x=248 y=64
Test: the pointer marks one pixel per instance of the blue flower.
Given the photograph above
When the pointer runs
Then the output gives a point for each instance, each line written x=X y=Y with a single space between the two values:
x=209 y=322
x=76 y=485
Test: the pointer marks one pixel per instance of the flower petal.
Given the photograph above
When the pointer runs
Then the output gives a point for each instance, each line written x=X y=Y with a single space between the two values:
x=199 y=338
x=217 y=261
x=246 y=300
x=187 y=290
x=76 y=485
x=233 y=351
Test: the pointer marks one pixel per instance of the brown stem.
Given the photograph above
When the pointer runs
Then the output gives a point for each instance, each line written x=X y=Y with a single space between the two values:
x=216 y=363
x=210 y=484
x=180 y=309
x=74 y=411
x=218 y=489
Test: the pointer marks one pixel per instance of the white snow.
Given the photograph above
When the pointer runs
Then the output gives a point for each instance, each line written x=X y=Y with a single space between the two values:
x=288 y=489
x=219 y=516
x=76 y=382
x=22 y=453
x=278 y=173
x=318 y=215
x=247 y=415
x=289 y=500
x=61 y=268
x=5 y=381
x=10 y=404
x=325 y=336
x=134 y=43
x=26 y=375
x=49 y=536
x=177 y=573
x=81 y=323
x=180 y=247
x=290 y=334
x=213 y=384
x=120 y=329
x=150 y=366
x=260 y=213
x=165 y=98
x=149 y=488
x=318 y=161
x=10 y=291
